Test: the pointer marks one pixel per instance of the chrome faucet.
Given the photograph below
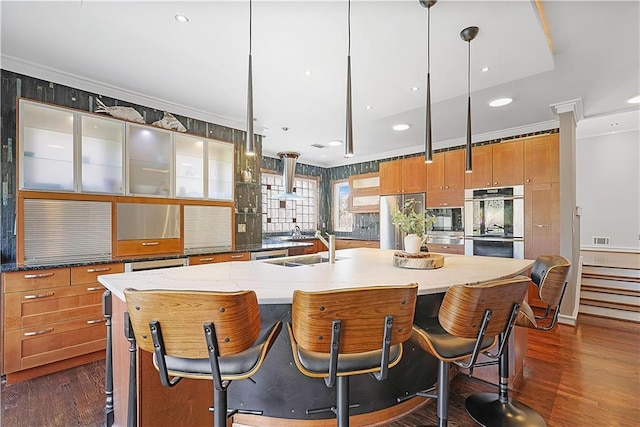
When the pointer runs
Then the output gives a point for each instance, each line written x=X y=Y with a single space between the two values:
x=296 y=232
x=331 y=245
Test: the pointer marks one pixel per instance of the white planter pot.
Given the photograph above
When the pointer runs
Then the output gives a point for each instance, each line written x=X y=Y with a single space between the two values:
x=412 y=243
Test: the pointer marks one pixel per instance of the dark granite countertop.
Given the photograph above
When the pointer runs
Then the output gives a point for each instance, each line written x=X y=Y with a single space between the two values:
x=267 y=244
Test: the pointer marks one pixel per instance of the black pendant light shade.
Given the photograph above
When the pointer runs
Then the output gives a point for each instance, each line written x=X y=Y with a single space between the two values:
x=250 y=143
x=467 y=35
x=428 y=142
x=348 y=141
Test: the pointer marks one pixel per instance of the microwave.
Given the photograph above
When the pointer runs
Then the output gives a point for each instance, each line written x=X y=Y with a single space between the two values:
x=450 y=220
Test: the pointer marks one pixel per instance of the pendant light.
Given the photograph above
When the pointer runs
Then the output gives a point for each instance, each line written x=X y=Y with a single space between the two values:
x=428 y=142
x=467 y=35
x=348 y=146
x=250 y=143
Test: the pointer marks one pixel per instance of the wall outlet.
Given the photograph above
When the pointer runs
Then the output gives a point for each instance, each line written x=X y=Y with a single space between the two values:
x=242 y=228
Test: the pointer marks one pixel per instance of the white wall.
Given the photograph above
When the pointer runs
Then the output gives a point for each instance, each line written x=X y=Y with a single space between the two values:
x=608 y=190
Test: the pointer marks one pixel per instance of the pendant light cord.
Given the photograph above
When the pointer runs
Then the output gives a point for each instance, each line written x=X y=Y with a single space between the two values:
x=250 y=25
x=349 y=28
x=469 y=68
x=428 y=40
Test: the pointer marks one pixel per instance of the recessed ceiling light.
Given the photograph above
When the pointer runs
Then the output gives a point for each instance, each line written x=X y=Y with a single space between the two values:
x=368 y=107
x=499 y=102
x=308 y=72
x=634 y=100
x=181 y=19
x=334 y=143
x=485 y=69
x=415 y=89
x=401 y=127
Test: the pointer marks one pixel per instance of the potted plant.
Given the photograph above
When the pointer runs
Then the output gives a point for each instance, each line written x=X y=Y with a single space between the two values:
x=413 y=223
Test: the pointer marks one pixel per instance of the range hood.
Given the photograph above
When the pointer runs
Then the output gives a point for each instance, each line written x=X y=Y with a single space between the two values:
x=289 y=159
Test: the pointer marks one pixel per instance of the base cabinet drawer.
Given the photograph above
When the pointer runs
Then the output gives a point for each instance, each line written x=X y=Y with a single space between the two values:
x=349 y=244
x=446 y=249
x=302 y=250
x=35 y=279
x=148 y=247
x=215 y=258
x=35 y=346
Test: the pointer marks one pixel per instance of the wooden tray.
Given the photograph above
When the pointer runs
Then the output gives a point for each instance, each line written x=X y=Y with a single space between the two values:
x=421 y=261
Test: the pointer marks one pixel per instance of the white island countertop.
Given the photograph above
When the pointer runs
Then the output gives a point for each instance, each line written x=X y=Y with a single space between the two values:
x=274 y=284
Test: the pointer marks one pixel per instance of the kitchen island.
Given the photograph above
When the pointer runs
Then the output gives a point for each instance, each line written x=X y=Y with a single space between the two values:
x=280 y=391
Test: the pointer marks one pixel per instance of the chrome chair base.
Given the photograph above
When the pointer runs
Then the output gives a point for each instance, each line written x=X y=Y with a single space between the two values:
x=487 y=410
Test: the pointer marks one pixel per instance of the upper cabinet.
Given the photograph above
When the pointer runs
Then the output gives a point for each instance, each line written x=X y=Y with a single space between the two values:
x=68 y=150
x=496 y=165
x=403 y=176
x=46 y=141
x=541 y=159
x=364 y=192
x=102 y=152
x=445 y=179
x=150 y=161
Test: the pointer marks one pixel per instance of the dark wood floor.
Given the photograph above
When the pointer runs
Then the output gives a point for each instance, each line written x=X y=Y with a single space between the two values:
x=584 y=376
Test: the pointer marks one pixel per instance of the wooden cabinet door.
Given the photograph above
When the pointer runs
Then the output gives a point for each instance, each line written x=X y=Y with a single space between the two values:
x=391 y=177
x=482 y=168
x=435 y=173
x=454 y=177
x=542 y=159
x=414 y=175
x=541 y=220
x=508 y=160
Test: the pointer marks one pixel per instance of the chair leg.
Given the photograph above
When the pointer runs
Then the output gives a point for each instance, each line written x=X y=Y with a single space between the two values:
x=132 y=405
x=499 y=410
x=342 y=401
x=220 y=408
x=443 y=393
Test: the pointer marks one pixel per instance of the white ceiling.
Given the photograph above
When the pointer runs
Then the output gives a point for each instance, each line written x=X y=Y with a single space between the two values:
x=137 y=52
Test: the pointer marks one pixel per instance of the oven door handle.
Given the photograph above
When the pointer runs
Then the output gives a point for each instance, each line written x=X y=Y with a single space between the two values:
x=495 y=239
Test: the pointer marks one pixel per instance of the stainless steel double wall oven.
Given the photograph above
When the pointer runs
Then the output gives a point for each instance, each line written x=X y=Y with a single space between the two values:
x=494 y=221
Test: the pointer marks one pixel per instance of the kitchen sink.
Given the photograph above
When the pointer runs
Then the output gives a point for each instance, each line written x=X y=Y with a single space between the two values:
x=298 y=262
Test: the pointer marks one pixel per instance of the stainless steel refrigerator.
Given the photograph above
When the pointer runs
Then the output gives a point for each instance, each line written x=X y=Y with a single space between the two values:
x=390 y=236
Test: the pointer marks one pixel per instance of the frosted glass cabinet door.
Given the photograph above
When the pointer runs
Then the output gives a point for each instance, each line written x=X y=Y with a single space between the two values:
x=46 y=148
x=189 y=166
x=101 y=150
x=220 y=170
x=149 y=161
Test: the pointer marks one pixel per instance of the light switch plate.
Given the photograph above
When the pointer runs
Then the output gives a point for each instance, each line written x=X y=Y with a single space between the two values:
x=242 y=228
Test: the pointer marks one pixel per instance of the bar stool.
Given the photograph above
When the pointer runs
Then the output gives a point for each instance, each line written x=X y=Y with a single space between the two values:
x=549 y=273
x=201 y=335
x=469 y=322
x=338 y=333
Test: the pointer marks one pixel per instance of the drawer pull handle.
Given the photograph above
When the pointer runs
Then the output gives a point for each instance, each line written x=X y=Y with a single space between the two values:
x=206 y=259
x=46 y=294
x=445 y=247
x=150 y=243
x=38 y=276
x=93 y=322
x=95 y=288
x=40 y=332
x=98 y=270
x=236 y=256
x=542 y=225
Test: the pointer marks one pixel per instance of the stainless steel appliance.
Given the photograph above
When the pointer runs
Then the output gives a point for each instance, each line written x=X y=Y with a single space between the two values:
x=390 y=236
x=269 y=253
x=494 y=222
x=155 y=264
x=448 y=228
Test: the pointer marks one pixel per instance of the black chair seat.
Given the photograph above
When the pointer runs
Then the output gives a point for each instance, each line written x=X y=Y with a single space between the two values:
x=448 y=346
x=237 y=366
x=318 y=363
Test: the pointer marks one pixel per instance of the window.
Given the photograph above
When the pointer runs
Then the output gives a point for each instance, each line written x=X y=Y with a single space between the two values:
x=342 y=218
x=283 y=215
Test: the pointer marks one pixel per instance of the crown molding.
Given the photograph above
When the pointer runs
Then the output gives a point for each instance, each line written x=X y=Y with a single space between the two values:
x=572 y=106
